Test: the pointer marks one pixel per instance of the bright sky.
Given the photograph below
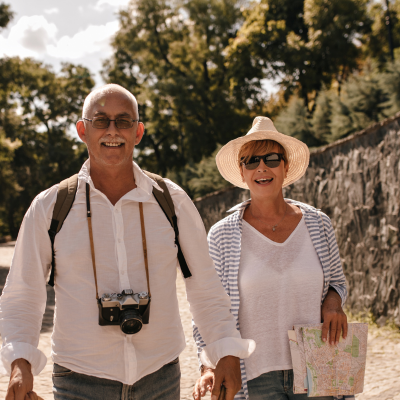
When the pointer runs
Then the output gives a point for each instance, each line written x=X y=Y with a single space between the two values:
x=56 y=31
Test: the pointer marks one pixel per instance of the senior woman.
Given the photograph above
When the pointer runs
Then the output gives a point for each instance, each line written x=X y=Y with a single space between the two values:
x=277 y=259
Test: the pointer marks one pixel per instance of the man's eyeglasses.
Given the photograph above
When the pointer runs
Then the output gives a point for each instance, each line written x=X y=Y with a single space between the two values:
x=104 y=122
x=271 y=160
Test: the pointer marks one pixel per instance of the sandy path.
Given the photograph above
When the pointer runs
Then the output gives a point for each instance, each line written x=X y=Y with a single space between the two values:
x=382 y=376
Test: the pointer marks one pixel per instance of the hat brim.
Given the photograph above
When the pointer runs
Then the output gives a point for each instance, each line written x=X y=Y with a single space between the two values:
x=297 y=152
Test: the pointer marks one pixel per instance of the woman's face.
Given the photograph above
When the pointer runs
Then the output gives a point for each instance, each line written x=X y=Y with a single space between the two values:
x=264 y=181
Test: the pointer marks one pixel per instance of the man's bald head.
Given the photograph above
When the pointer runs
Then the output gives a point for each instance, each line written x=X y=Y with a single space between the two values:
x=99 y=96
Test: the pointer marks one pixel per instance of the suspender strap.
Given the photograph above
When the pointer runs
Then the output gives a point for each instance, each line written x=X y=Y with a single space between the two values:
x=65 y=198
x=89 y=219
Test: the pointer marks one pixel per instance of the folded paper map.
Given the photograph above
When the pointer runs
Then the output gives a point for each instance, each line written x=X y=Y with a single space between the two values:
x=321 y=369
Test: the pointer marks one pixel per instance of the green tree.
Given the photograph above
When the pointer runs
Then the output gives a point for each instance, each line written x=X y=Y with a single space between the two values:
x=389 y=81
x=363 y=103
x=37 y=110
x=333 y=28
x=376 y=44
x=201 y=178
x=368 y=97
x=295 y=121
x=322 y=117
x=8 y=179
x=171 y=55
x=303 y=43
x=6 y=15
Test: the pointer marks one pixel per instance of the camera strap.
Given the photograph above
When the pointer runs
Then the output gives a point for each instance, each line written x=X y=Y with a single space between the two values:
x=89 y=220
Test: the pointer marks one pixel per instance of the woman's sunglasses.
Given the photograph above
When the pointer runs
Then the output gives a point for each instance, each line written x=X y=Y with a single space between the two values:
x=271 y=160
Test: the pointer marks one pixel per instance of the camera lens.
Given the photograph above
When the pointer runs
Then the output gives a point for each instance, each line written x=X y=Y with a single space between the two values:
x=130 y=321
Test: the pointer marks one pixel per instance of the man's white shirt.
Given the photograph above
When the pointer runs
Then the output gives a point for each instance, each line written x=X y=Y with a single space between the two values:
x=79 y=343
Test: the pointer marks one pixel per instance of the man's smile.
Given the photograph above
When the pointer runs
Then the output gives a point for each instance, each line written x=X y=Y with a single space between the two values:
x=112 y=144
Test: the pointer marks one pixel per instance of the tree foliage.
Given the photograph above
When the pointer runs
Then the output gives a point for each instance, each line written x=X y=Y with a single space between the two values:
x=171 y=55
x=201 y=178
x=367 y=97
x=303 y=43
x=377 y=43
x=37 y=109
x=197 y=68
x=6 y=15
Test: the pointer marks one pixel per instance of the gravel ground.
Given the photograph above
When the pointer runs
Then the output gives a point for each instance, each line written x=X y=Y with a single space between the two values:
x=382 y=375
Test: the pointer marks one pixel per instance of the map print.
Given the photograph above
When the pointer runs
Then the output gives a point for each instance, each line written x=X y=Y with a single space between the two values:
x=324 y=370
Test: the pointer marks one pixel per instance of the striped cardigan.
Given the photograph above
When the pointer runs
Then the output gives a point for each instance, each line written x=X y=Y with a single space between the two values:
x=224 y=241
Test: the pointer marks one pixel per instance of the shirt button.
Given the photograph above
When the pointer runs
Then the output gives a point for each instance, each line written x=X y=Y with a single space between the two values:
x=122 y=272
x=116 y=210
x=119 y=240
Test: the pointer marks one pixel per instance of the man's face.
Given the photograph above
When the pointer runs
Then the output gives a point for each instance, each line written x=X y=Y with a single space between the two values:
x=111 y=146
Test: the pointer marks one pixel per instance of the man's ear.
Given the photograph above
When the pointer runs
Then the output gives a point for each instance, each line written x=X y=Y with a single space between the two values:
x=139 y=133
x=80 y=128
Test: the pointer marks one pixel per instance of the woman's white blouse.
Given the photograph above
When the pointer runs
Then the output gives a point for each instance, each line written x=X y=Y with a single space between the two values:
x=224 y=240
x=280 y=284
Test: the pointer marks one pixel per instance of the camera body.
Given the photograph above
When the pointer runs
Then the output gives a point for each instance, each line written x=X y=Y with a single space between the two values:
x=129 y=310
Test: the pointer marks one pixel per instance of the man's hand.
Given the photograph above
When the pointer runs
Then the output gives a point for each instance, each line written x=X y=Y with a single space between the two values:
x=333 y=318
x=21 y=381
x=228 y=374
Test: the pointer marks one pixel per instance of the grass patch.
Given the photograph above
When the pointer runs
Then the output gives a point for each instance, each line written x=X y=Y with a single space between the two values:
x=390 y=330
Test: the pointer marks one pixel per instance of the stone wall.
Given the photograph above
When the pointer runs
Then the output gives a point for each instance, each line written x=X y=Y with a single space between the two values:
x=355 y=181
x=214 y=206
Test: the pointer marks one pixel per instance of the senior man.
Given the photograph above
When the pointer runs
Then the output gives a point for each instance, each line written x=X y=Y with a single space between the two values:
x=103 y=362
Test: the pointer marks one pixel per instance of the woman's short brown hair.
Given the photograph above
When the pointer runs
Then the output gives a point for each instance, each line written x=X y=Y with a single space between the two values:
x=258 y=148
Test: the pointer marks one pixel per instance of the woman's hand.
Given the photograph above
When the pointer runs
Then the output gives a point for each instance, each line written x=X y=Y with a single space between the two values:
x=32 y=396
x=227 y=373
x=204 y=383
x=333 y=318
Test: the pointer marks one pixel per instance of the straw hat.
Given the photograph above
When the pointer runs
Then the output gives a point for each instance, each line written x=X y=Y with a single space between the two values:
x=263 y=128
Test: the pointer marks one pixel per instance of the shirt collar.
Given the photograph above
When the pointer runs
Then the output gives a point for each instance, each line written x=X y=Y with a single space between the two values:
x=143 y=182
x=242 y=206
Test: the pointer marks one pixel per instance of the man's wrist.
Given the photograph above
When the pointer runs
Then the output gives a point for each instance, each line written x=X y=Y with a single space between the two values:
x=21 y=362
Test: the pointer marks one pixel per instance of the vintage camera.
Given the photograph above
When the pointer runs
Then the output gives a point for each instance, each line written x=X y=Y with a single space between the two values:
x=127 y=309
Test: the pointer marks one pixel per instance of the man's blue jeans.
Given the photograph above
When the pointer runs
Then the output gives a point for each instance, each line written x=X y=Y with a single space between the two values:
x=163 y=384
x=276 y=385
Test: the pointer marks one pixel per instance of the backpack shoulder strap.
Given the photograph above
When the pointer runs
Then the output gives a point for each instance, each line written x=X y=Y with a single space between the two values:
x=65 y=198
x=165 y=202
x=163 y=198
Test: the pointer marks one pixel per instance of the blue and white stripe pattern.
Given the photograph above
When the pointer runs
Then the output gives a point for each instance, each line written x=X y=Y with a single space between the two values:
x=224 y=241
